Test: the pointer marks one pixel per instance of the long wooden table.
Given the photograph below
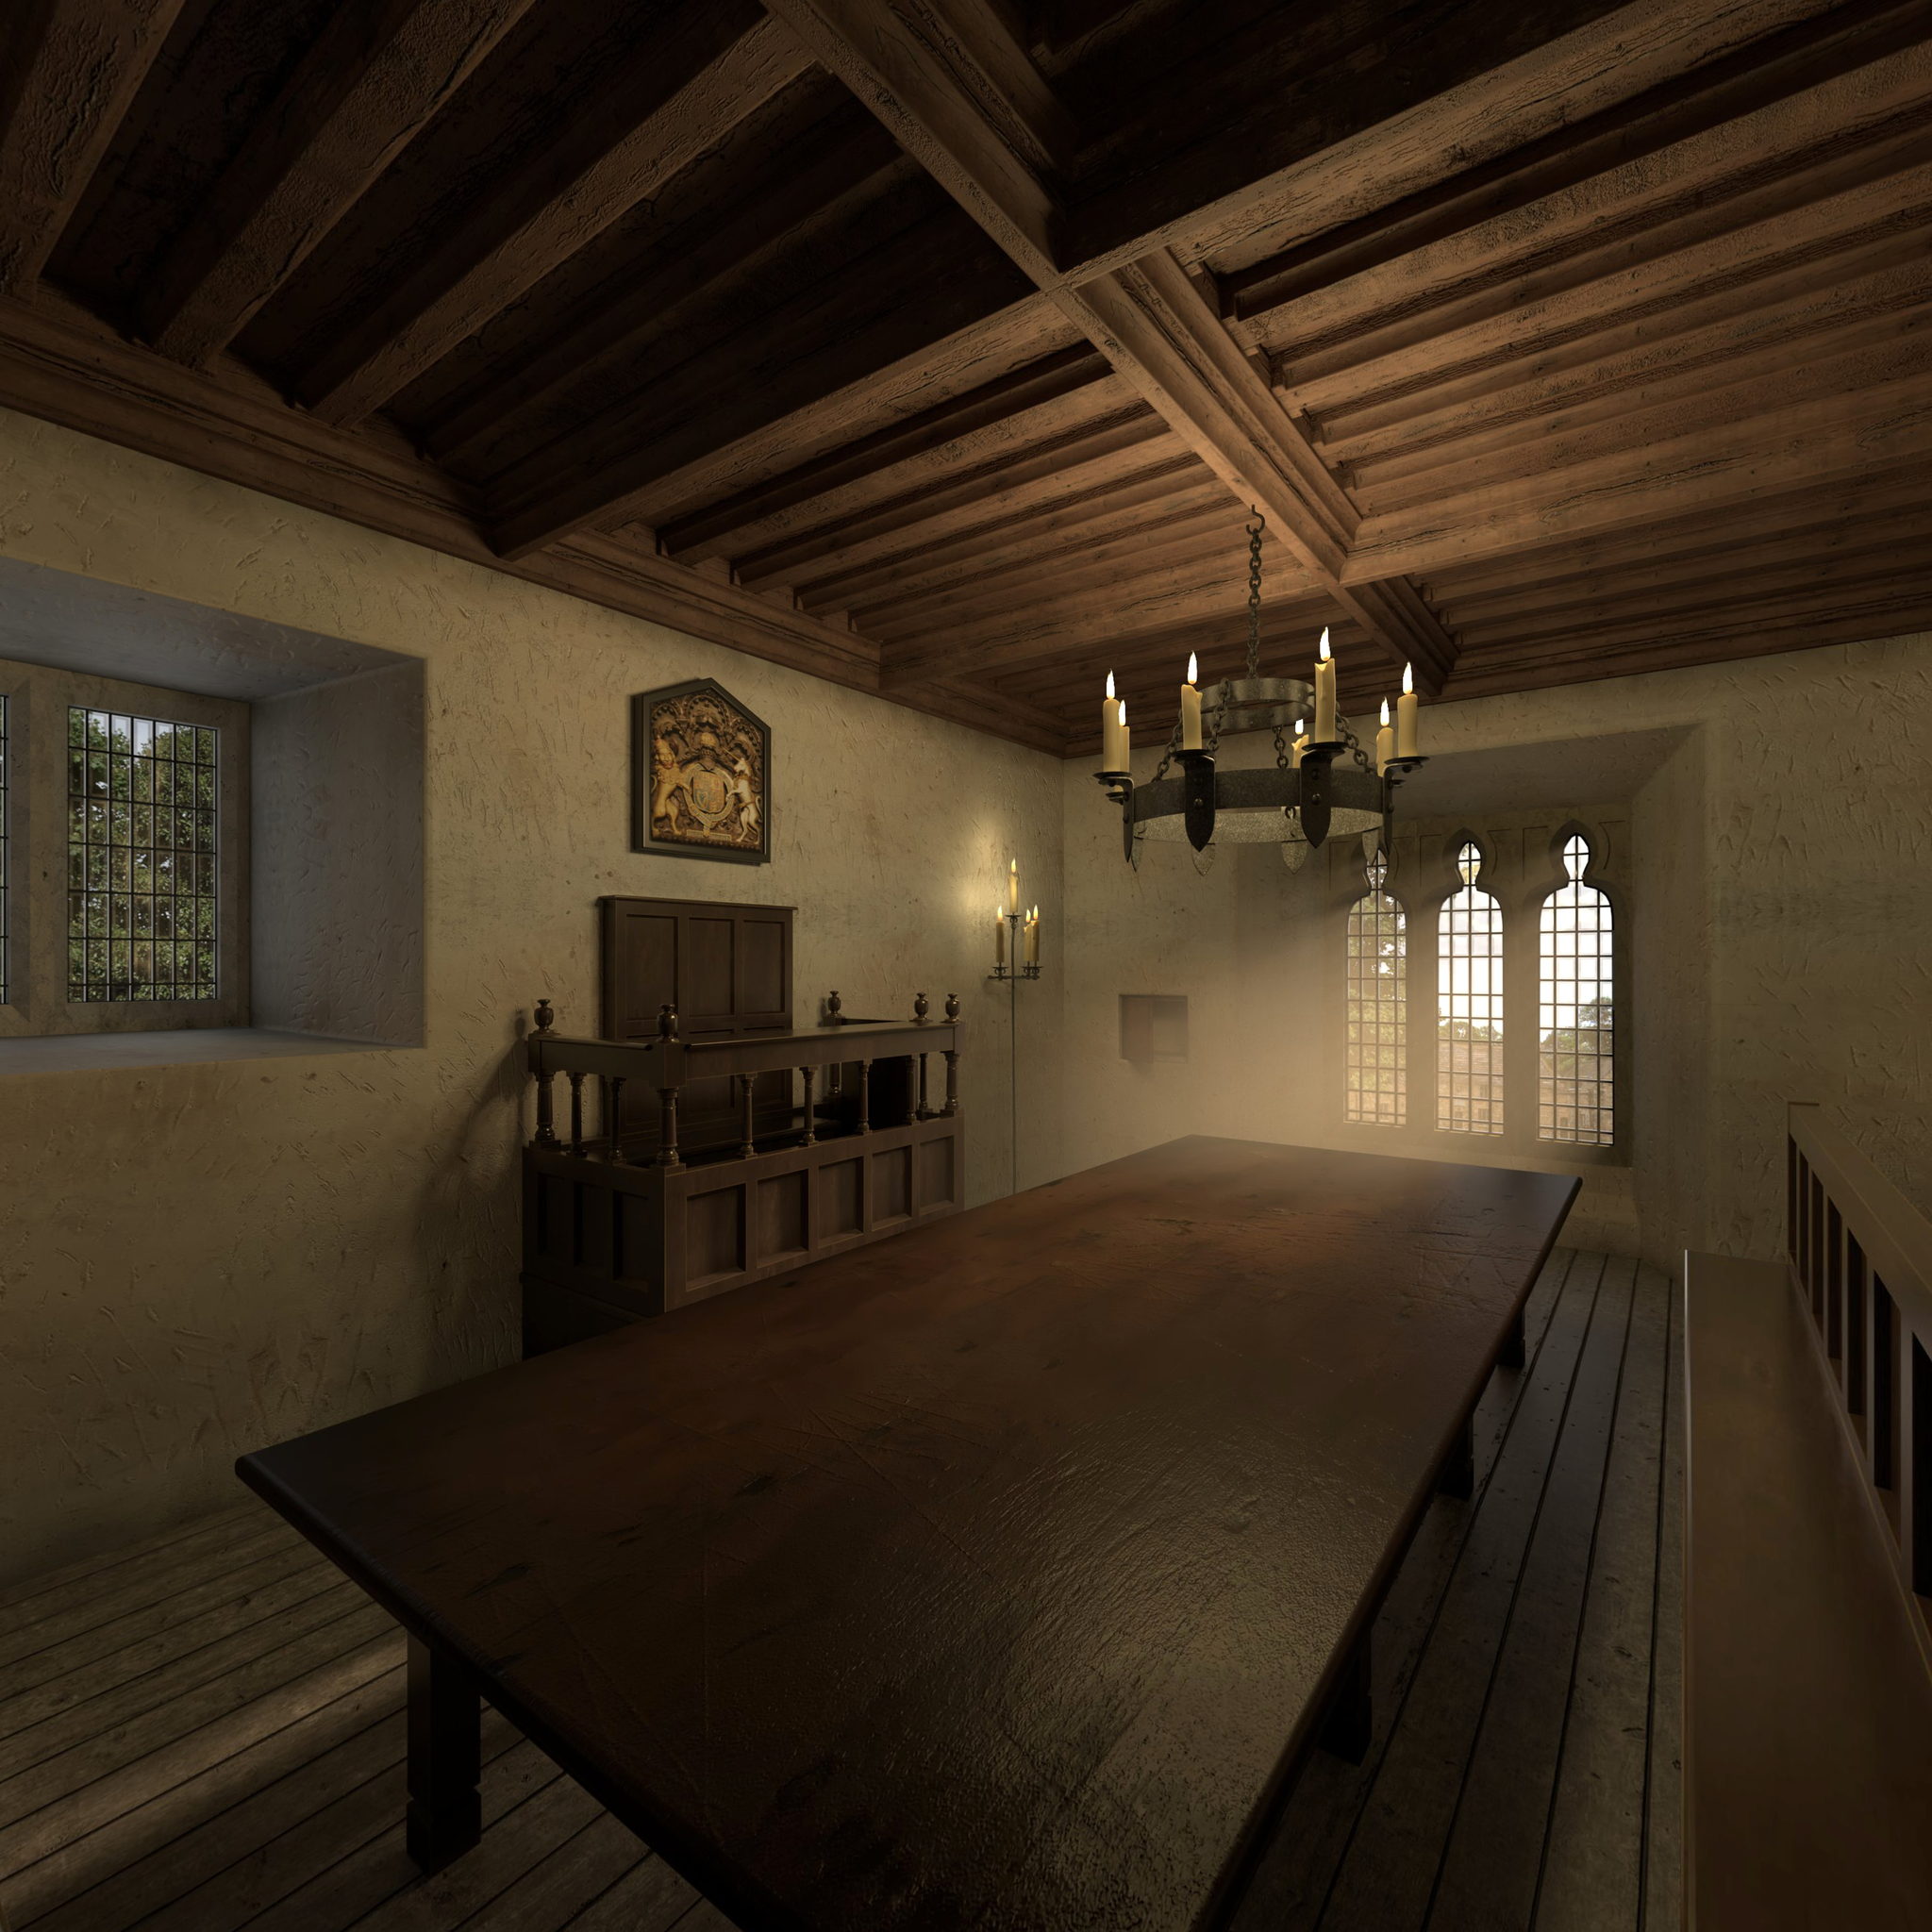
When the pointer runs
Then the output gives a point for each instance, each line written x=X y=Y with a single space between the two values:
x=994 y=1577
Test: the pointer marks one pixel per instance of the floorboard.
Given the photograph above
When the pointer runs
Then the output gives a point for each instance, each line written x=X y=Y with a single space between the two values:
x=204 y=1732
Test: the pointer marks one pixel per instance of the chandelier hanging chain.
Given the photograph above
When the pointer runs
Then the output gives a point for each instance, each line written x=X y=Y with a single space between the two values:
x=1255 y=530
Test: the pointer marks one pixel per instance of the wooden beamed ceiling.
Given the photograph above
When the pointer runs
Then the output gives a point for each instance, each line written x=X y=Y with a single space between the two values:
x=940 y=347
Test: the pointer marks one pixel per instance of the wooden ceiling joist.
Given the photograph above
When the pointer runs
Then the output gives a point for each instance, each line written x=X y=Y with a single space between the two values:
x=75 y=68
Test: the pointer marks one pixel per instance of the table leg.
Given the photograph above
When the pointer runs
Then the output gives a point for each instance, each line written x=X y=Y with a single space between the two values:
x=1349 y=1723
x=445 y=1815
x=1458 y=1467
x=1515 y=1345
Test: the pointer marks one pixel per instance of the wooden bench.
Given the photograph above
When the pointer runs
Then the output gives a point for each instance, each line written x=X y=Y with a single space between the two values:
x=1808 y=1661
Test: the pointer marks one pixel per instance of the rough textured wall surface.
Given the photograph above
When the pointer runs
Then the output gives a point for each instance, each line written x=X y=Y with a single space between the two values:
x=1783 y=950
x=200 y=1259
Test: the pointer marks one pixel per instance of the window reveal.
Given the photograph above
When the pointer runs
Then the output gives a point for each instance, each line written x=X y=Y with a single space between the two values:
x=1469 y=1005
x=1576 y=1031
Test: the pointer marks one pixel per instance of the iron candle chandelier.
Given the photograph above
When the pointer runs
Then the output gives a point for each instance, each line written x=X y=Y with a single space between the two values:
x=1312 y=788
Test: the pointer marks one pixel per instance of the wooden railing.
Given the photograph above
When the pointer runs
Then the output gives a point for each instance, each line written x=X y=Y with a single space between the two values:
x=1861 y=1257
x=667 y=1065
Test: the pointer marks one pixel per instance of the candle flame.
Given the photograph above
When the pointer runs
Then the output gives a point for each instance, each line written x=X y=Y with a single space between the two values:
x=1300 y=725
x=1407 y=680
x=1193 y=668
x=1109 y=684
x=1384 y=710
x=1322 y=649
x=1122 y=714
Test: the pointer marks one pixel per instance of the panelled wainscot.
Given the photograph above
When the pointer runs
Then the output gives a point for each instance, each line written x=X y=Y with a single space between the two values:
x=721 y=1145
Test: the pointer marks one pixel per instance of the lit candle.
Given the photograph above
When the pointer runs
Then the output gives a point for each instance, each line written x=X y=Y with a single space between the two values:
x=1013 y=886
x=1191 y=709
x=999 y=935
x=1324 y=695
x=1385 y=741
x=1033 y=937
x=1406 y=716
x=1301 y=741
x=1113 y=731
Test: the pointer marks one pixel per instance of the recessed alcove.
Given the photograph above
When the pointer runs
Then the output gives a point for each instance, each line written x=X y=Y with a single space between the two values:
x=333 y=893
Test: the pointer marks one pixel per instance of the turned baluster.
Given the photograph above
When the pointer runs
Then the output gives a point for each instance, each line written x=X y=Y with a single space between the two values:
x=812 y=1130
x=547 y=1128
x=747 y=1146
x=577 y=1113
x=952 y=1104
x=667 y=1130
x=865 y=1096
x=614 y=1088
x=920 y=1111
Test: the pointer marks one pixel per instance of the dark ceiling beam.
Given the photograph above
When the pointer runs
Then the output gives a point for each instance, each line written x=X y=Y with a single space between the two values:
x=372 y=81
x=1780 y=65
x=480 y=269
x=1162 y=332
x=73 y=69
x=1821 y=440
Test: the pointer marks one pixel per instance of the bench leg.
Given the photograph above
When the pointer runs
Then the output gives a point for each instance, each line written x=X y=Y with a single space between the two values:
x=1349 y=1722
x=445 y=1815
x=1515 y=1345
x=1458 y=1469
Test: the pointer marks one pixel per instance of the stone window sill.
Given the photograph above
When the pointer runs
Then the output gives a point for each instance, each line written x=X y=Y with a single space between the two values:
x=180 y=1047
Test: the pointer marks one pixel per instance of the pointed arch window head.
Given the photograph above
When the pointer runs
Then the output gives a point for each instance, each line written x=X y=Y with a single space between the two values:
x=1376 y=1060
x=1469 y=1004
x=1576 y=1008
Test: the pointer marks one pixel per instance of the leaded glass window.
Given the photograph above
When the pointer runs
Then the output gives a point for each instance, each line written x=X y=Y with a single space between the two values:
x=1378 y=1050
x=141 y=857
x=1469 y=1005
x=1576 y=1031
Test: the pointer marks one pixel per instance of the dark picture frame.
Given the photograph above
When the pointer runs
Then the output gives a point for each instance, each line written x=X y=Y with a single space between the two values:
x=700 y=774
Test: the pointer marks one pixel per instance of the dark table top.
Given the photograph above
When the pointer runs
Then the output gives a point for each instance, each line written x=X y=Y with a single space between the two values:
x=993 y=1577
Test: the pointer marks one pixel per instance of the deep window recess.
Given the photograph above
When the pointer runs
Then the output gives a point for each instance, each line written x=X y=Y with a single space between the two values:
x=1577 y=1037
x=1154 y=1026
x=142 y=830
x=1378 y=1044
x=1469 y=1005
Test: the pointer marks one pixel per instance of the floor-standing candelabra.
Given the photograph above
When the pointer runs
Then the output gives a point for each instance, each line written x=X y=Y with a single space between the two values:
x=1015 y=933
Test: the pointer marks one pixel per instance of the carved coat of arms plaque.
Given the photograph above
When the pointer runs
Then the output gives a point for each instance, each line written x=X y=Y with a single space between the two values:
x=700 y=776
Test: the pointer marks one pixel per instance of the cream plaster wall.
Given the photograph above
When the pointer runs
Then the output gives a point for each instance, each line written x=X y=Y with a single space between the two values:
x=1781 y=943
x=199 y=1260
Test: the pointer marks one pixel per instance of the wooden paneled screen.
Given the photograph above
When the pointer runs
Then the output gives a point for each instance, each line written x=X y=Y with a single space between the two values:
x=1469 y=1005
x=1576 y=1031
x=141 y=857
x=1378 y=1038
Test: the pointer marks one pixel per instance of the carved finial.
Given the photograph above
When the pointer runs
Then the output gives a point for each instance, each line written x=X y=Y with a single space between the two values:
x=921 y=1007
x=546 y=1017
x=952 y=1006
x=667 y=1022
x=835 y=1012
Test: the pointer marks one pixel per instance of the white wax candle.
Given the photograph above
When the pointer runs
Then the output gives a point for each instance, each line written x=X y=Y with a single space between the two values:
x=1301 y=741
x=999 y=937
x=1114 y=745
x=1406 y=737
x=1033 y=937
x=1385 y=741
x=1324 y=695
x=1191 y=709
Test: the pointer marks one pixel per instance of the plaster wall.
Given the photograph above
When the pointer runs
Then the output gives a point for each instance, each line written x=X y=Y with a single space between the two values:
x=1780 y=832
x=200 y=1258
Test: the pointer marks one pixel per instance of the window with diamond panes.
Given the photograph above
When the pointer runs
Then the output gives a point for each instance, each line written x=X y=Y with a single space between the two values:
x=1576 y=1031
x=1378 y=1044
x=141 y=857
x=1469 y=1005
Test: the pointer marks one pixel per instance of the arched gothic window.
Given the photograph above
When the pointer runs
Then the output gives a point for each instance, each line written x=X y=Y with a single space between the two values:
x=1576 y=1036
x=1469 y=1005
x=1377 y=1056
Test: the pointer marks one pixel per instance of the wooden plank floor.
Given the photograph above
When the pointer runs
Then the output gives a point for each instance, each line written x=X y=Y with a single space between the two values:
x=204 y=1733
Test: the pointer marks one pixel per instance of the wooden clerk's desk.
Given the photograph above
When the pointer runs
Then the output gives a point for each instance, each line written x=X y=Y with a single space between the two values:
x=994 y=1576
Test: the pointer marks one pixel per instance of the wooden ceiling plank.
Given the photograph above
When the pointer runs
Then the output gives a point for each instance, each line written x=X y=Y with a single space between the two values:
x=1178 y=482
x=369 y=84
x=1831 y=315
x=421 y=326
x=1860 y=197
x=1792 y=61
x=77 y=65
x=1786 y=449
x=1881 y=350
x=823 y=561
x=1068 y=386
